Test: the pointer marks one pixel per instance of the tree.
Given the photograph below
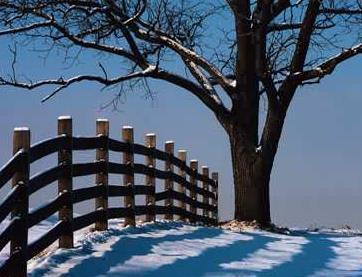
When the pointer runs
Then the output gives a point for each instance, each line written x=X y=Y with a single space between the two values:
x=266 y=49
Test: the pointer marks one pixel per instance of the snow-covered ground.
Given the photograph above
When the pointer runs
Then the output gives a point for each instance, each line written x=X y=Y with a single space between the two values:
x=176 y=249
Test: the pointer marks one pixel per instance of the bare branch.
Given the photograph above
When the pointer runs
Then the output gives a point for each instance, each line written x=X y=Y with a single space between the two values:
x=305 y=35
x=271 y=46
x=186 y=54
x=211 y=102
x=328 y=66
x=26 y=28
x=279 y=7
x=291 y=26
x=288 y=87
x=341 y=11
x=64 y=83
x=203 y=81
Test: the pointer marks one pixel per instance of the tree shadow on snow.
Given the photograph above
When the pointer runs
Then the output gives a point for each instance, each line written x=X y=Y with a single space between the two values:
x=207 y=263
x=313 y=257
x=201 y=252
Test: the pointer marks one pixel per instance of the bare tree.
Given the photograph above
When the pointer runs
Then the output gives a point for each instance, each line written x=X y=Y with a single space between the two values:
x=265 y=48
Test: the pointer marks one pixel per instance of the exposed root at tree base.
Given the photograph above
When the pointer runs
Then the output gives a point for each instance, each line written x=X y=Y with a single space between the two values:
x=244 y=226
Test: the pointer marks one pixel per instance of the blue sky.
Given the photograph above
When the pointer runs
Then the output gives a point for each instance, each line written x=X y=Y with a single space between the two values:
x=317 y=179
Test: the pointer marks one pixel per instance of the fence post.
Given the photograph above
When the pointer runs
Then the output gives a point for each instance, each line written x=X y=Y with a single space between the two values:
x=215 y=177
x=182 y=155
x=102 y=155
x=194 y=166
x=19 y=242
x=128 y=179
x=169 y=149
x=150 y=142
x=65 y=182
x=205 y=186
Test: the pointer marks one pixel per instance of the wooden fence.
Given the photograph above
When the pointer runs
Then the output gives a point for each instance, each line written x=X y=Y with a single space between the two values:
x=181 y=186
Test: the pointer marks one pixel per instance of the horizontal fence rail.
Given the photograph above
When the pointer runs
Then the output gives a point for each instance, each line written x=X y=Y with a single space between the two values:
x=189 y=194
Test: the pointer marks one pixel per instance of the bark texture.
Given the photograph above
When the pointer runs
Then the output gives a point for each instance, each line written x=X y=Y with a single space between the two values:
x=252 y=167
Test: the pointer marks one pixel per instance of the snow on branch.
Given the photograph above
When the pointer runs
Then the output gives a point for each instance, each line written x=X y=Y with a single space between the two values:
x=116 y=29
x=185 y=53
x=64 y=83
x=203 y=81
x=329 y=65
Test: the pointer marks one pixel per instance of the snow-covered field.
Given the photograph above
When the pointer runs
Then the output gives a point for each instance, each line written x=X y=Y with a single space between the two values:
x=177 y=249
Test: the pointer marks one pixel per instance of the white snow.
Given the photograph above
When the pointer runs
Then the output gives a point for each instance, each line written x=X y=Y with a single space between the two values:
x=64 y=117
x=102 y=120
x=166 y=253
x=21 y=129
x=34 y=233
x=233 y=83
x=177 y=249
x=347 y=260
x=273 y=254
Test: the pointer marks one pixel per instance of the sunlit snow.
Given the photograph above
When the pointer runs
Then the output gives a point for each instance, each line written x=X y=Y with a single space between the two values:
x=177 y=249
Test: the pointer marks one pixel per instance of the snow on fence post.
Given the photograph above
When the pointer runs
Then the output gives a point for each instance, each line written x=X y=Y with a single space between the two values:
x=150 y=142
x=169 y=149
x=65 y=181
x=182 y=155
x=194 y=166
x=205 y=186
x=19 y=242
x=102 y=155
x=128 y=179
x=215 y=178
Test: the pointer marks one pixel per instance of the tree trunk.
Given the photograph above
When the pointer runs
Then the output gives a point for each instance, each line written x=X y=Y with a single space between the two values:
x=252 y=166
x=251 y=169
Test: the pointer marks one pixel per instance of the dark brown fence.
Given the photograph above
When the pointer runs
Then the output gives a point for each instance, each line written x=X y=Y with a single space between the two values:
x=182 y=186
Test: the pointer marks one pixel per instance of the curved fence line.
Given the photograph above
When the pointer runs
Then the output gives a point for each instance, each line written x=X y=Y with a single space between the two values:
x=53 y=145
x=182 y=196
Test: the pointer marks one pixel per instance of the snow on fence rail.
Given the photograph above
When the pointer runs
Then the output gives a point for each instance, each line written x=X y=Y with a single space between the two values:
x=17 y=169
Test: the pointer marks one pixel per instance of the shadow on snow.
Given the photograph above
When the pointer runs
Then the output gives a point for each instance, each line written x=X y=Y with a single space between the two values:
x=175 y=249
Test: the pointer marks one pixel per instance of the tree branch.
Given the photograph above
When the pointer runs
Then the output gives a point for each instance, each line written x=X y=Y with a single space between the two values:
x=329 y=65
x=341 y=11
x=203 y=81
x=26 y=28
x=64 y=83
x=277 y=27
x=185 y=53
x=289 y=86
x=212 y=103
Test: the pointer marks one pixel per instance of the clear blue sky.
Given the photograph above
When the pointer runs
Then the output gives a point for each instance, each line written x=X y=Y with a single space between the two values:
x=317 y=177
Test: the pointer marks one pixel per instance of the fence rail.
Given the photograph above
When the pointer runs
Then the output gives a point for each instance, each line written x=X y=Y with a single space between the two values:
x=174 y=194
